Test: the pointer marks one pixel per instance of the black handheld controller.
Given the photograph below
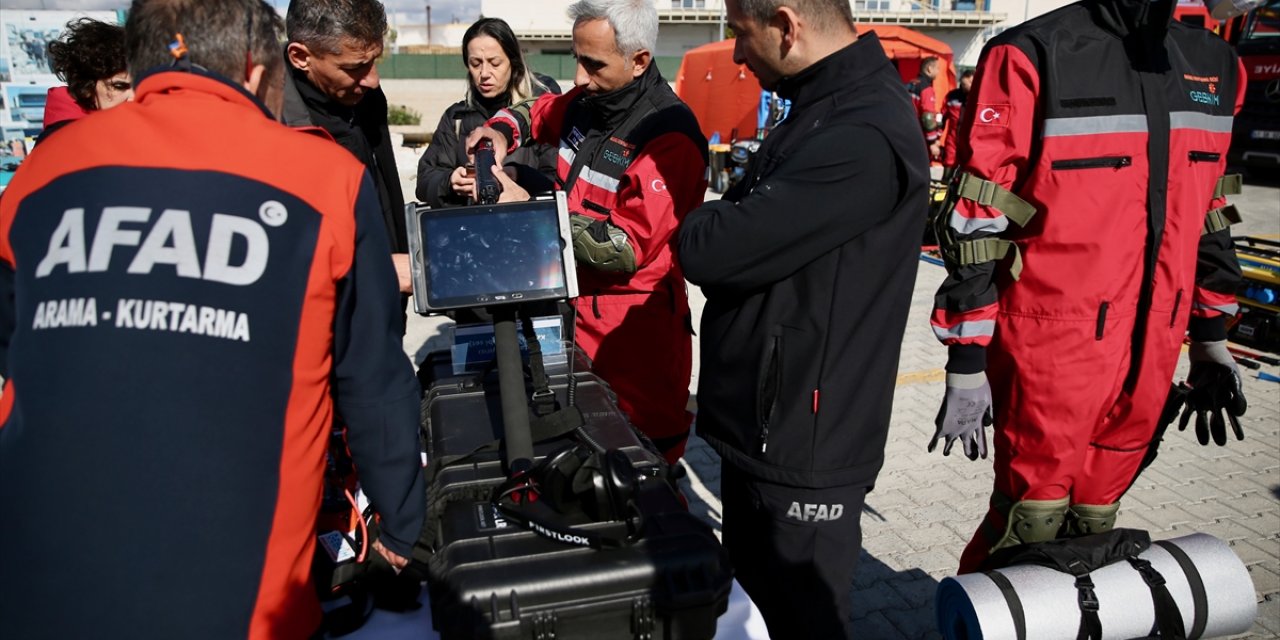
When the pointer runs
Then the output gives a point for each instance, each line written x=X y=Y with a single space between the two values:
x=487 y=187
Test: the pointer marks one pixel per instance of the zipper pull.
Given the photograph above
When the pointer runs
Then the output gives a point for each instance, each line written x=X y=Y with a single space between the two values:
x=764 y=437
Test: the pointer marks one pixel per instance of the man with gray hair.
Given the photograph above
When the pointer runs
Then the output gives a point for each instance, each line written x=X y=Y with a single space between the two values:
x=182 y=312
x=331 y=82
x=633 y=162
x=808 y=265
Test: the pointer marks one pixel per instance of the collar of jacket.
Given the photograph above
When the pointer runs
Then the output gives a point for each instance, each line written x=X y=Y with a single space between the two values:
x=1127 y=17
x=489 y=106
x=161 y=80
x=303 y=99
x=59 y=106
x=614 y=105
x=835 y=72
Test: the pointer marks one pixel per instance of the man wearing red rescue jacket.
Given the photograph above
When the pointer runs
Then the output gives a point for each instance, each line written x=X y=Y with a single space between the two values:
x=633 y=162
x=1088 y=227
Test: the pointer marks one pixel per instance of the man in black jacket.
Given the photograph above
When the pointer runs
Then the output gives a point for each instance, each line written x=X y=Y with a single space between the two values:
x=807 y=265
x=331 y=82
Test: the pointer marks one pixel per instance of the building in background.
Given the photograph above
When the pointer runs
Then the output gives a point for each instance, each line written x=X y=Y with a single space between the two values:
x=25 y=77
x=685 y=24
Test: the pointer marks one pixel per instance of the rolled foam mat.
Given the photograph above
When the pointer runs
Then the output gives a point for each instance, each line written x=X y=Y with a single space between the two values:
x=1211 y=586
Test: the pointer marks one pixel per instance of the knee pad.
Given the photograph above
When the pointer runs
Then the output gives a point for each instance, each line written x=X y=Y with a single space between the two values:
x=1029 y=520
x=1085 y=519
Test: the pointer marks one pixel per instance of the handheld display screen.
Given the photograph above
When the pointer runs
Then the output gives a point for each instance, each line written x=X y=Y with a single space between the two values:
x=493 y=254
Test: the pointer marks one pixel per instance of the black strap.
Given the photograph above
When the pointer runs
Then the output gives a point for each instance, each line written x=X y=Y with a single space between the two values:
x=518 y=499
x=1090 y=624
x=1199 y=599
x=1015 y=603
x=543 y=399
x=1168 y=625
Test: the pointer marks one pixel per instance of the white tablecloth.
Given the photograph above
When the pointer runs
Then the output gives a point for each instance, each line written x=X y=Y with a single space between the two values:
x=741 y=621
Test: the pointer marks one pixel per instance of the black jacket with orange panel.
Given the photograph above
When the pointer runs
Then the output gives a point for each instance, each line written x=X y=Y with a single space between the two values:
x=184 y=307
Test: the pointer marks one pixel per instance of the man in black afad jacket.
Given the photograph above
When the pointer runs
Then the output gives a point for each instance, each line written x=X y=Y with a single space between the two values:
x=807 y=266
x=331 y=82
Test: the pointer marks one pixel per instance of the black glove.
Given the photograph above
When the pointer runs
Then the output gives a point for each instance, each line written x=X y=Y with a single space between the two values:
x=964 y=415
x=1213 y=387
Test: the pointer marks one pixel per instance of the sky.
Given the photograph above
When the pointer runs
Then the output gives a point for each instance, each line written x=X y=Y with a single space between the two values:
x=441 y=10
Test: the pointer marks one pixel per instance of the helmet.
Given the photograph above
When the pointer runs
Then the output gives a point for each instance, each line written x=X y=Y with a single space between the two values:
x=1227 y=9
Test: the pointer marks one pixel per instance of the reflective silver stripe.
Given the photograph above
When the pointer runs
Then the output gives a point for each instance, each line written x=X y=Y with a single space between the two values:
x=1229 y=309
x=969 y=329
x=1095 y=124
x=1201 y=121
x=598 y=179
x=511 y=120
x=567 y=154
x=965 y=226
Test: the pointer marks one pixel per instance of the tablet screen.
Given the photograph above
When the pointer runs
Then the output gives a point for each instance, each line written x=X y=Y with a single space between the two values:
x=494 y=254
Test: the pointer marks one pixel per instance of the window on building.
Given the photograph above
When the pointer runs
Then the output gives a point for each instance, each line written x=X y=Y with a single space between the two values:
x=871 y=5
x=688 y=4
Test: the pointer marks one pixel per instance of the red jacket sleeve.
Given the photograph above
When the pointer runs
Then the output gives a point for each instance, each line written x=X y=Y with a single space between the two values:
x=665 y=181
x=1217 y=268
x=539 y=120
x=996 y=136
x=951 y=118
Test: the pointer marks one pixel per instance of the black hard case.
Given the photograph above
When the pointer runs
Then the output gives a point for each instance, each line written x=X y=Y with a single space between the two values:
x=493 y=580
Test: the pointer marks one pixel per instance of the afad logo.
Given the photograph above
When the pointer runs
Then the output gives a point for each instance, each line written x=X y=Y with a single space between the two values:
x=992 y=115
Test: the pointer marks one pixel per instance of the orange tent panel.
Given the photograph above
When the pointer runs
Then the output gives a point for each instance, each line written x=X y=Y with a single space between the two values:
x=725 y=96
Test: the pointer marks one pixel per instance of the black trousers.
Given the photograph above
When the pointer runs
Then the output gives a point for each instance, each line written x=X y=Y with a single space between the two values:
x=794 y=551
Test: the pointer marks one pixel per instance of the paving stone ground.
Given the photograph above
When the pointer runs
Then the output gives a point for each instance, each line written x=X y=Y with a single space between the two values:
x=924 y=507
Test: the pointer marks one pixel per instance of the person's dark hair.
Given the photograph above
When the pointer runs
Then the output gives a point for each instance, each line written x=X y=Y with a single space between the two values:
x=967 y=73
x=322 y=25
x=226 y=37
x=821 y=12
x=522 y=80
x=88 y=51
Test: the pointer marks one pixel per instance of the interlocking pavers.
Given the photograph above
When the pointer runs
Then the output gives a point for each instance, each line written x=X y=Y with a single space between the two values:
x=1265 y=579
x=925 y=507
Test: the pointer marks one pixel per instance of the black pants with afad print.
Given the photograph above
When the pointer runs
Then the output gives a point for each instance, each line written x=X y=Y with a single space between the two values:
x=794 y=551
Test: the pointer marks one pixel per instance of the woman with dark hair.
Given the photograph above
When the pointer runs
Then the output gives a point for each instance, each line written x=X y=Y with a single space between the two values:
x=497 y=77
x=90 y=57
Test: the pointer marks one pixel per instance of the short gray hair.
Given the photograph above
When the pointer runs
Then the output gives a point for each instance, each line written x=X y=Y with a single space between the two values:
x=634 y=22
x=218 y=35
x=819 y=11
x=322 y=25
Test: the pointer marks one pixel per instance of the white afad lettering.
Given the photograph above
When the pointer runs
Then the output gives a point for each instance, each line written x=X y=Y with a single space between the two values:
x=815 y=512
x=794 y=511
x=66 y=245
x=173 y=224
x=109 y=234
x=217 y=264
x=170 y=242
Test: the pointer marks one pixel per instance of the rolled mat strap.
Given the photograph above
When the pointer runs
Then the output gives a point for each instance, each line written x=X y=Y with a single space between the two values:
x=1206 y=583
x=1015 y=603
x=1199 y=598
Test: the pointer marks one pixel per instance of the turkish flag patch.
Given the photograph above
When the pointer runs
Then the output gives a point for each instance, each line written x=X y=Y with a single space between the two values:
x=992 y=115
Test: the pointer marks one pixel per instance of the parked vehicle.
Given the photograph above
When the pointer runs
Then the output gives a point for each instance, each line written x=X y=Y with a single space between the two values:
x=1255 y=138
